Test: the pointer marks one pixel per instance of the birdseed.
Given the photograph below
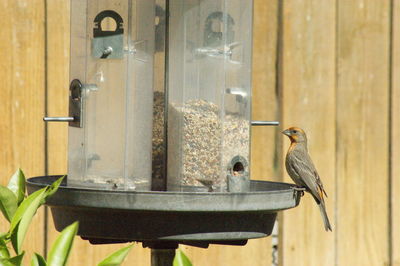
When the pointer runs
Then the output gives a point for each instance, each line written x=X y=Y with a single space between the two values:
x=201 y=145
x=158 y=144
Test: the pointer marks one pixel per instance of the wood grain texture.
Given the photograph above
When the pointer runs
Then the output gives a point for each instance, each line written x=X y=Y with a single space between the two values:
x=264 y=157
x=58 y=43
x=256 y=252
x=362 y=132
x=308 y=101
x=264 y=147
x=57 y=55
x=395 y=136
x=22 y=106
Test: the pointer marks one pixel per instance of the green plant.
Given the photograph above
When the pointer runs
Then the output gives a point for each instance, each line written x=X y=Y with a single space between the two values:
x=116 y=258
x=19 y=209
x=181 y=259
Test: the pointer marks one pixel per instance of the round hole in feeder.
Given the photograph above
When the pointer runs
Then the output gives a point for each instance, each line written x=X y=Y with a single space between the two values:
x=238 y=168
x=108 y=24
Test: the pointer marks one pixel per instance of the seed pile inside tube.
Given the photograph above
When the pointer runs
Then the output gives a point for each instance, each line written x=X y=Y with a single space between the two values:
x=236 y=139
x=158 y=135
x=201 y=145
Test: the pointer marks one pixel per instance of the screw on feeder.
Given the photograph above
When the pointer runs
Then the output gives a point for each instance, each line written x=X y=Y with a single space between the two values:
x=107 y=52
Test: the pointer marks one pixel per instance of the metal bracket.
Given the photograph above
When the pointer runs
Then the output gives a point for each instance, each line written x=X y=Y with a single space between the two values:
x=75 y=106
x=75 y=103
x=108 y=44
x=214 y=36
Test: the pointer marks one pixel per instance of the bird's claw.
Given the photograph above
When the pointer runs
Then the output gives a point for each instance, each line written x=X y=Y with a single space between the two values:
x=300 y=189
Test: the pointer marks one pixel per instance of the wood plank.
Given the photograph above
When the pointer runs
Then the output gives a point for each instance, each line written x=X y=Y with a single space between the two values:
x=264 y=150
x=256 y=252
x=308 y=101
x=395 y=136
x=362 y=132
x=58 y=43
x=22 y=94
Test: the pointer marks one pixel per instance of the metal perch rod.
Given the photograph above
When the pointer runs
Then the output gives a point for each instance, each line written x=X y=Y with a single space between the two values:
x=58 y=119
x=265 y=123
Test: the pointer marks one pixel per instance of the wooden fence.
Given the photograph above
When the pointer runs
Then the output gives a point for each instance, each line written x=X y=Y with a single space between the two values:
x=331 y=67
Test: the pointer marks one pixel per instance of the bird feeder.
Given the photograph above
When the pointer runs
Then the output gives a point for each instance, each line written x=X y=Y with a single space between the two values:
x=159 y=126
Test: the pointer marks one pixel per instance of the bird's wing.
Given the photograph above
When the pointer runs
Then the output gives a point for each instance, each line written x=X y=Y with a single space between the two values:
x=304 y=167
x=319 y=182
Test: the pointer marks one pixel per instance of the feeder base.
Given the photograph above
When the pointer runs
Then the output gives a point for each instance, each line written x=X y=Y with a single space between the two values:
x=151 y=217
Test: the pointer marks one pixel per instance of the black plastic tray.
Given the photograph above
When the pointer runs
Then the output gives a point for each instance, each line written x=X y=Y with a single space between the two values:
x=198 y=218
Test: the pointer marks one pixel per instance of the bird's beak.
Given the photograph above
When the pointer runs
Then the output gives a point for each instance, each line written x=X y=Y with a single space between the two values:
x=286 y=132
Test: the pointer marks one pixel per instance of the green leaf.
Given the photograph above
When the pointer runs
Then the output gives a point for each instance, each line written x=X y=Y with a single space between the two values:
x=38 y=260
x=4 y=253
x=8 y=203
x=6 y=262
x=117 y=257
x=23 y=216
x=17 y=185
x=25 y=212
x=24 y=206
x=54 y=187
x=61 y=248
x=17 y=260
x=3 y=235
x=181 y=259
x=14 y=261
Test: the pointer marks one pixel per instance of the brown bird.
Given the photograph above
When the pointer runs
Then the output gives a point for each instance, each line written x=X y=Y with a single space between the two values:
x=302 y=170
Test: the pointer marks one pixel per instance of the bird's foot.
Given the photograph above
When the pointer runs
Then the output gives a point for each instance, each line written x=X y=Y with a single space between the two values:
x=299 y=189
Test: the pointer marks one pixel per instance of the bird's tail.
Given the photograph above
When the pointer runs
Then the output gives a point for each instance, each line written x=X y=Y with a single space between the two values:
x=325 y=216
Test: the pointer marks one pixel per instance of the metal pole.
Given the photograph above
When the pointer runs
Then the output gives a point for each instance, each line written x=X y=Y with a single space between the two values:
x=265 y=123
x=162 y=257
x=58 y=119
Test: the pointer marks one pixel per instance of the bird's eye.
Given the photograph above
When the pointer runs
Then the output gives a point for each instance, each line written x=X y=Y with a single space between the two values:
x=294 y=131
